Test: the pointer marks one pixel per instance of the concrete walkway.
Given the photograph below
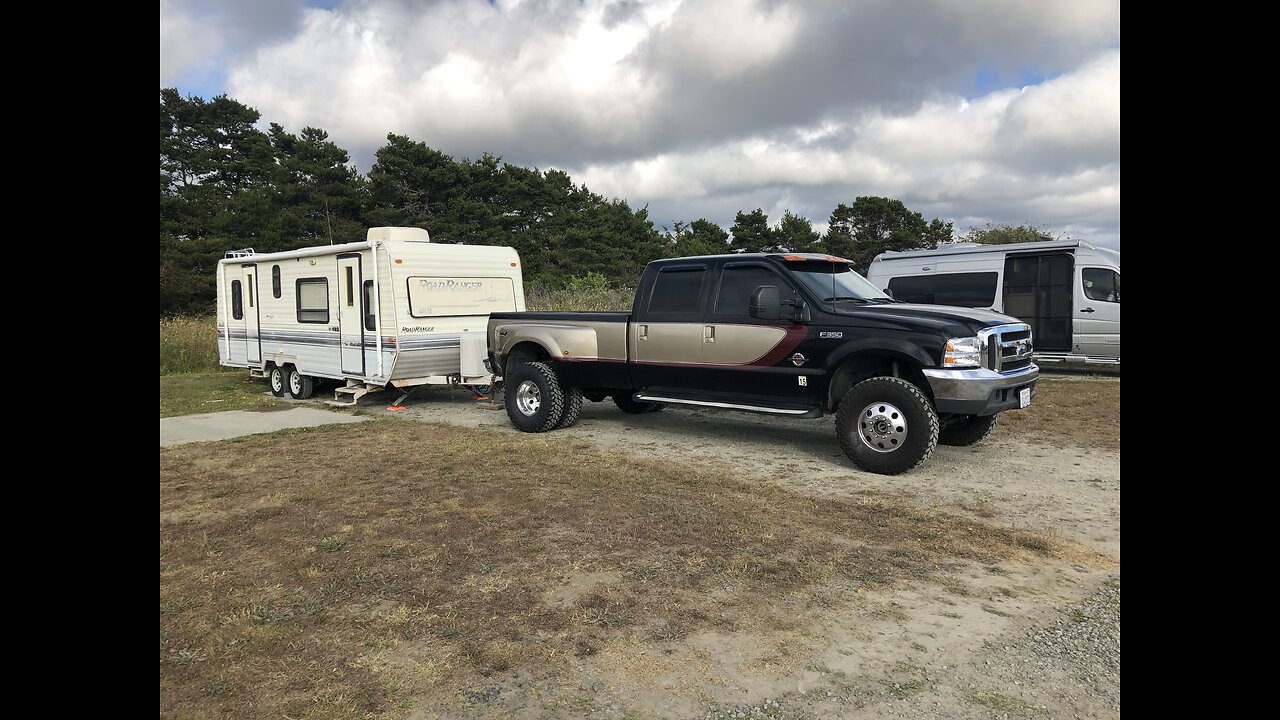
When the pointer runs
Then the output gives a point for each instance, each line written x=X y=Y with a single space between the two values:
x=235 y=423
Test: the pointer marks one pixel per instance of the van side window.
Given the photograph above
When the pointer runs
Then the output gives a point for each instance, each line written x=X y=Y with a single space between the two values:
x=237 y=301
x=1101 y=284
x=677 y=291
x=370 y=321
x=955 y=289
x=313 y=300
x=275 y=281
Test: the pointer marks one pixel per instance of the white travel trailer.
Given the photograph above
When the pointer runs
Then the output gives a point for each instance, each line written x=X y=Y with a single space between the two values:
x=395 y=310
x=1067 y=291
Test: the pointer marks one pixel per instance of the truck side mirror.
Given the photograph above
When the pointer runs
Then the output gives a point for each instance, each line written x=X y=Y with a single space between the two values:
x=765 y=303
x=888 y=292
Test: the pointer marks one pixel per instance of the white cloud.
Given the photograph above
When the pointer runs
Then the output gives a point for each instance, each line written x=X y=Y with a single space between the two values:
x=703 y=108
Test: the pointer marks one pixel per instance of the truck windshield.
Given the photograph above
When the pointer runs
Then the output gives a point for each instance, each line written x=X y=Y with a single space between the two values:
x=836 y=282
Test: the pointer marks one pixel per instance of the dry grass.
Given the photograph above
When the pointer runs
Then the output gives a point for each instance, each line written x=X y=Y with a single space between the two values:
x=352 y=572
x=188 y=344
x=1069 y=411
x=582 y=296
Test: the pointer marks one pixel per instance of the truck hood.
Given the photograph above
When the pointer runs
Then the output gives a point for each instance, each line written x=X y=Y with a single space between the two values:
x=952 y=321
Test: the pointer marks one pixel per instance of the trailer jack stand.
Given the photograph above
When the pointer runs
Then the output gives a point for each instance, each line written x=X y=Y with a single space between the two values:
x=398 y=405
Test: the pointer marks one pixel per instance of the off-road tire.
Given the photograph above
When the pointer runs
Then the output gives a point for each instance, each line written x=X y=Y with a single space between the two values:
x=628 y=404
x=277 y=380
x=301 y=387
x=920 y=425
x=551 y=400
x=572 y=407
x=969 y=431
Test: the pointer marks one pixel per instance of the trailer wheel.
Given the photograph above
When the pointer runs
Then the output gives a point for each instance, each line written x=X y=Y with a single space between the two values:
x=301 y=387
x=969 y=431
x=886 y=425
x=628 y=404
x=572 y=407
x=534 y=399
x=277 y=380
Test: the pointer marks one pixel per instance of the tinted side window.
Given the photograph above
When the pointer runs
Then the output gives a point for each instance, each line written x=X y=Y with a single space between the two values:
x=1100 y=284
x=369 y=309
x=275 y=281
x=677 y=291
x=237 y=301
x=313 y=300
x=737 y=284
x=958 y=289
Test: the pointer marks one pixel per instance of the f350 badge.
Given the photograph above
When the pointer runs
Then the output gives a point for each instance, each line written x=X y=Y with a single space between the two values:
x=830 y=335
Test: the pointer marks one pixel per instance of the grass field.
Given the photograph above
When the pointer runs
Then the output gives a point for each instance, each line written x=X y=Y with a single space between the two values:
x=356 y=572
x=212 y=392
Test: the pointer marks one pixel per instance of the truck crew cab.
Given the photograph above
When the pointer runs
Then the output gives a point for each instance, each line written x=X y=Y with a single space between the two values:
x=796 y=335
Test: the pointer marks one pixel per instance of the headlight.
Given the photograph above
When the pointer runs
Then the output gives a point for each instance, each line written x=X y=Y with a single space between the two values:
x=963 y=352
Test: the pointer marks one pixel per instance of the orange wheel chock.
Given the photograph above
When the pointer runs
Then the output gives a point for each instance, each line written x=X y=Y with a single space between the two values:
x=396 y=408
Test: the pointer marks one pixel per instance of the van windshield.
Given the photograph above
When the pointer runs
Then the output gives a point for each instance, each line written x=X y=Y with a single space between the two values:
x=836 y=282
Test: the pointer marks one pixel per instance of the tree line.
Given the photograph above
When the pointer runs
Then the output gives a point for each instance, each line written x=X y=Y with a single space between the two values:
x=226 y=184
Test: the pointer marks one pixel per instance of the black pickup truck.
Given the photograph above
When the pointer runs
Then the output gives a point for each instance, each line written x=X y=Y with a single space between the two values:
x=794 y=335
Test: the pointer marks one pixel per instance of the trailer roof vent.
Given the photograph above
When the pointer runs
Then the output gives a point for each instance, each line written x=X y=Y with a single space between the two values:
x=242 y=252
x=412 y=234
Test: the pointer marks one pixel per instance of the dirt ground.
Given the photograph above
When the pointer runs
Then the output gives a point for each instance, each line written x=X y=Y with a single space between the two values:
x=1024 y=635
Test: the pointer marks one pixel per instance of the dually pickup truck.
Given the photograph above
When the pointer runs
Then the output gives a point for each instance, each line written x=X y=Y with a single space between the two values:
x=794 y=335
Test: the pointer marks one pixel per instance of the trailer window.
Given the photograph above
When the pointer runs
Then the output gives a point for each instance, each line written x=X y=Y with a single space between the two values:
x=250 y=283
x=313 y=300
x=275 y=281
x=370 y=320
x=956 y=289
x=457 y=296
x=1100 y=284
x=237 y=301
x=351 y=290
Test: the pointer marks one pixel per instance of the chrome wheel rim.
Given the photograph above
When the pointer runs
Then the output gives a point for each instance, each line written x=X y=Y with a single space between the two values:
x=295 y=383
x=277 y=380
x=882 y=427
x=528 y=398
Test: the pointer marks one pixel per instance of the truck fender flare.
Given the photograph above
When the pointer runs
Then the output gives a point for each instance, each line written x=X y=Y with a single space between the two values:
x=560 y=342
x=910 y=354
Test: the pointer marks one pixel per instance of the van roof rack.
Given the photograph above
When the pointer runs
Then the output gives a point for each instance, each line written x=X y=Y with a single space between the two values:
x=242 y=252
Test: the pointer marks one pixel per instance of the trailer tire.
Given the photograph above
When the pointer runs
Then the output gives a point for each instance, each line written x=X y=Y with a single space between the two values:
x=970 y=431
x=630 y=405
x=886 y=425
x=277 y=380
x=301 y=387
x=534 y=399
x=572 y=407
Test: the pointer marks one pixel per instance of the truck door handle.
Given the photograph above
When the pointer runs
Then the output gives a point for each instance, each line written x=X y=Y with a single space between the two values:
x=644 y=332
x=709 y=333
x=1087 y=310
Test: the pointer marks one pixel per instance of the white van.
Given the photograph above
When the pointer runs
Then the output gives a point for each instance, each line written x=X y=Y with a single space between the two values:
x=1067 y=290
x=396 y=309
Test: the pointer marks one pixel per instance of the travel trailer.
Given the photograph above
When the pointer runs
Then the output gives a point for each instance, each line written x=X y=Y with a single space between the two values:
x=1068 y=291
x=395 y=310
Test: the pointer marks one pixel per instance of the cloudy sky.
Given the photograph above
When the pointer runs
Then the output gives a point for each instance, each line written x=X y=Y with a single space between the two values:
x=972 y=110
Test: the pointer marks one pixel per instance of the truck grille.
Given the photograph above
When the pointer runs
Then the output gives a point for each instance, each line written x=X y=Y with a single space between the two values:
x=1008 y=347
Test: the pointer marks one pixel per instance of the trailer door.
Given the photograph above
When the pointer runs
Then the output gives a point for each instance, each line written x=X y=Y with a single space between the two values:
x=351 y=314
x=252 y=338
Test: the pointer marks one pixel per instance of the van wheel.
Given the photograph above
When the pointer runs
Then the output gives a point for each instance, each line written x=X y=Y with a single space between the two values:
x=301 y=387
x=572 y=407
x=886 y=425
x=534 y=399
x=628 y=404
x=969 y=431
x=276 y=380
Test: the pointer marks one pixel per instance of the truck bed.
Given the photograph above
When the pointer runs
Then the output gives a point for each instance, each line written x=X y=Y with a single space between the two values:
x=588 y=315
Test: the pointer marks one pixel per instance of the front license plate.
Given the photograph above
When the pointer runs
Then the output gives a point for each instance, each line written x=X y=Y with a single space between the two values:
x=1024 y=397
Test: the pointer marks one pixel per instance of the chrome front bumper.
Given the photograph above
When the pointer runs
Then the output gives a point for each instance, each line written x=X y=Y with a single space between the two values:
x=978 y=391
